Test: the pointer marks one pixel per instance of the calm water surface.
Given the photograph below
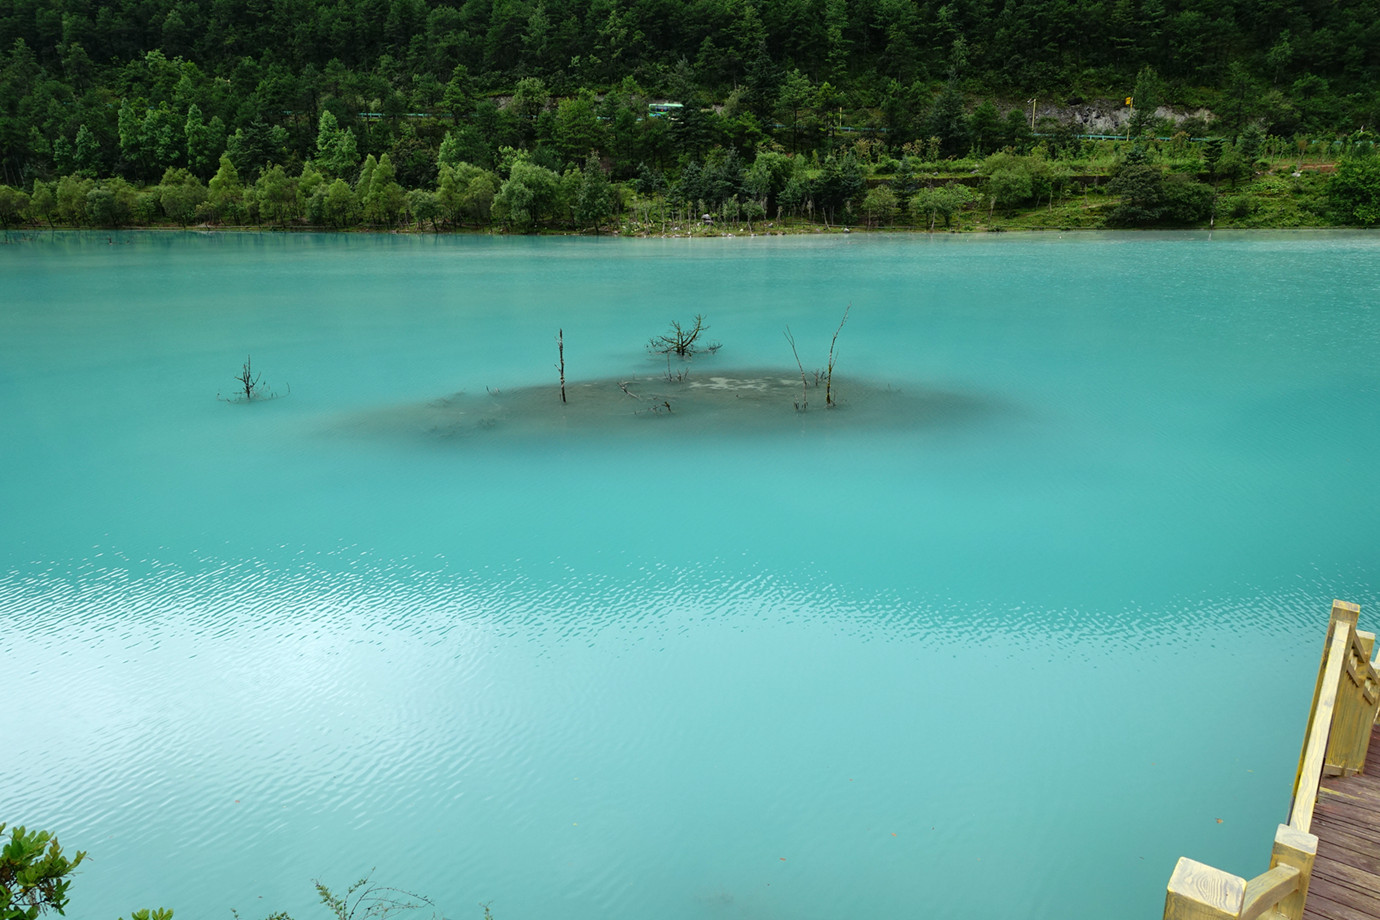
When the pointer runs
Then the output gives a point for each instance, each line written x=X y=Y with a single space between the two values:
x=1006 y=660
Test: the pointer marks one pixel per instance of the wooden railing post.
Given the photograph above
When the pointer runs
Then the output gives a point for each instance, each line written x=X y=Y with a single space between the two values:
x=1342 y=611
x=1345 y=611
x=1200 y=892
x=1370 y=695
x=1357 y=698
x=1346 y=702
x=1297 y=849
x=1319 y=726
x=1368 y=644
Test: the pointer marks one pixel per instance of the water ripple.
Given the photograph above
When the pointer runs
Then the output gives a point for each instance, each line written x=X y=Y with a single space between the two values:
x=322 y=698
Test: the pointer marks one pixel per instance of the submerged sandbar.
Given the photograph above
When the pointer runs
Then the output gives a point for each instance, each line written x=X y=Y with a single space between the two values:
x=742 y=401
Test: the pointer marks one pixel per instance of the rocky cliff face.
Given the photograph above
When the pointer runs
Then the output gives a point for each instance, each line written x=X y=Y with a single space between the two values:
x=1109 y=116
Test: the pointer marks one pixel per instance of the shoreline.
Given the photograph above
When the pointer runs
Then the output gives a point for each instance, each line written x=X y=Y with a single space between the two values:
x=210 y=229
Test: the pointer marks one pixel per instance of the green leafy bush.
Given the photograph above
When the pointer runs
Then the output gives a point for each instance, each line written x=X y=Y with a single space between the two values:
x=1354 y=191
x=33 y=874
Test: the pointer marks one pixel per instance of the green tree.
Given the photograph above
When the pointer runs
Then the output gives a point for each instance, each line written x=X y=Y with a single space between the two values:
x=225 y=194
x=205 y=140
x=1212 y=156
x=1279 y=57
x=1187 y=201
x=1140 y=186
x=947 y=123
x=1354 y=190
x=461 y=189
x=985 y=127
x=1014 y=180
x=114 y=203
x=385 y=198
x=1250 y=142
x=530 y=98
x=180 y=194
x=34 y=874
x=86 y=154
x=310 y=181
x=337 y=153
x=945 y=202
x=42 y=203
x=162 y=142
x=1146 y=98
x=463 y=144
x=276 y=194
x=536 y=38
x=479 y=195
x=1239 y=99
x=1149 y=197
x=794 y=195
x=793 y=103
x=366 y=177
x=836 y=42
x=458 y=97
x=1233 y=166
x=695 y=132
x=14 y=204
x=1016 y=131
x=256 y=145
x=341 y=204
x=424 y=207
x=529 y=195
x=767 y=177
x=828 y=103
x=129 y=123
x=71 y=199
x=880 y=205
x=839 y=184
x=577 y=129
x=594 y=202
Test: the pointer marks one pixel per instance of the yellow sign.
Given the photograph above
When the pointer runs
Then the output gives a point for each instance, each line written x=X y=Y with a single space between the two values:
x=1128 y=100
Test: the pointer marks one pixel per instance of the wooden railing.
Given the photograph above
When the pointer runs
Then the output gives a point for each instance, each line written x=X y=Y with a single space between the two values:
x=1346 y=703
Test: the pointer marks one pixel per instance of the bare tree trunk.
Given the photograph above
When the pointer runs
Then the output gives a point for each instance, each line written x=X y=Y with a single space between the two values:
x=560 y=349
x=829 y=371
x=804 y=384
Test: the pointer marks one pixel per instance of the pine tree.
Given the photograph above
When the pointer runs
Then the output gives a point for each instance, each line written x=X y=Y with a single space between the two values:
x=337 y=152
x=594 y=203
x=385 y=197
x=225 y=193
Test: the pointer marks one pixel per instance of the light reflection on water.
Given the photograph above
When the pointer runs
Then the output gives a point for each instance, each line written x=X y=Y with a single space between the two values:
x=795 y=668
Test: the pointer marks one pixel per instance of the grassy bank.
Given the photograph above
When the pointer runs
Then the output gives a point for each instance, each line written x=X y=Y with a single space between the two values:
x=1105 y=185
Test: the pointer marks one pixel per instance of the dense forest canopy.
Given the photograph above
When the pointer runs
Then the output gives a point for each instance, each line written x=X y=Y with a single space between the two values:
x=134 y=88
x=1036 y=46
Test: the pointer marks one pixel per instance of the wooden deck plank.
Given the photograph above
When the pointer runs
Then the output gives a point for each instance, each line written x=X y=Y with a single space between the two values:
x=1349 y=849
x=1365 y=785
x=1350 y=823
x=1346 y=876
x=1365 y=779
x=1321 y=907
x=1326 y=889
x=1344 y=892
x=1361 y=819
x=1365 y=884
x=1339 y=806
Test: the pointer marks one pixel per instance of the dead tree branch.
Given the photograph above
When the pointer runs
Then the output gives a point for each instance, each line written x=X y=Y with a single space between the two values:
x=829 y=373
x=804 y=383
x=680 y=341
x=560 y=348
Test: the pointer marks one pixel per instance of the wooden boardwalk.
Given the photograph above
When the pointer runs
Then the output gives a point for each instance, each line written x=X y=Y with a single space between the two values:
x=1325 y=863
x=1346 y=875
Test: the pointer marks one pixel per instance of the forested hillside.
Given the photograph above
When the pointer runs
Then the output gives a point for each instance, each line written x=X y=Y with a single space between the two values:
x=320 y=89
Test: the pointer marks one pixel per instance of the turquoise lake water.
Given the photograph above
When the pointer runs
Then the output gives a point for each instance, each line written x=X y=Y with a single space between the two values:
x=1005 y=648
